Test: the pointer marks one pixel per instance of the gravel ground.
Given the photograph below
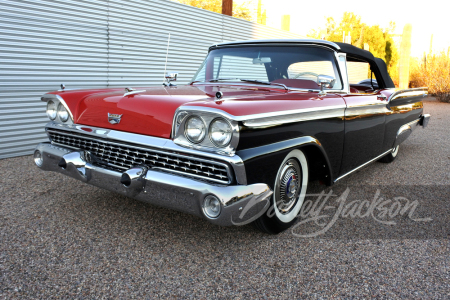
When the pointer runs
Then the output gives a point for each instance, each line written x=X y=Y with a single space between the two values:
x=61 y=238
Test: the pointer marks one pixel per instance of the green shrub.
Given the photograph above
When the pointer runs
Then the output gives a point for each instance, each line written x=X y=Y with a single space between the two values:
x=434 y=73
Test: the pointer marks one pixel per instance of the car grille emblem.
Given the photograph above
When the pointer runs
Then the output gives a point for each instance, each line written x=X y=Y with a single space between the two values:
x=114 y=118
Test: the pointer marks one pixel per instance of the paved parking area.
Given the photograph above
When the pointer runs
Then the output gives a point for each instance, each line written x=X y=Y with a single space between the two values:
x=60 y=238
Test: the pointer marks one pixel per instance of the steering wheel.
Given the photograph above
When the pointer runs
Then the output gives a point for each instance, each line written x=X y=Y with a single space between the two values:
x=305 y=73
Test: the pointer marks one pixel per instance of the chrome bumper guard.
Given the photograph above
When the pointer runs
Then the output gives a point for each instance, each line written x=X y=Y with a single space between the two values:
x=405 y=131
x=240 y=204
x=424 y=120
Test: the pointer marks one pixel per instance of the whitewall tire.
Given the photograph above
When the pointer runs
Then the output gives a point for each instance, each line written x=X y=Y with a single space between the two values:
x=291 y=183
x=289 y=168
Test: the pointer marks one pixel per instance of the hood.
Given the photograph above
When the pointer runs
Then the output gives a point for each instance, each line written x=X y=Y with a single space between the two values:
x=151 y=112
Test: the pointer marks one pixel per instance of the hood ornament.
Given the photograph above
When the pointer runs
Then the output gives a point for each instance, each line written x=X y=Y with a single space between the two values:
x=169 y=78
x=131 y=91
x=114 y=118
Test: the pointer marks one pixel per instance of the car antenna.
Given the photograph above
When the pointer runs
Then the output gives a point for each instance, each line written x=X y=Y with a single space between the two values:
x=167 y=55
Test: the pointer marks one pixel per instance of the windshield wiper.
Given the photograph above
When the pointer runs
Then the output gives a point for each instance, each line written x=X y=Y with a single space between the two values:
x=255 y=81
x=215 y=80
x=222 y=79
x=250 y=81
x=264 y=82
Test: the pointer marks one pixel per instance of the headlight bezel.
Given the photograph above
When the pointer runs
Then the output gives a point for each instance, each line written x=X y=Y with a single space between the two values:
x=58 y=101
x=52 y=116
x=207 y=115
x=62 y=109
x=210 y=133
x=186 y=124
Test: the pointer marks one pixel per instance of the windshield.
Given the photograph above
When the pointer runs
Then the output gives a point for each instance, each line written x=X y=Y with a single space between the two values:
x=294 y=66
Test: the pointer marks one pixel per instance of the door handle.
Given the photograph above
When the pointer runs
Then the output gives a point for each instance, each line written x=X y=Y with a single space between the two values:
x=381 y=97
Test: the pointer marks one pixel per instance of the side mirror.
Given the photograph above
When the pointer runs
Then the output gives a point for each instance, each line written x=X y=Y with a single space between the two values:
x=169 y=78
x=325 y=81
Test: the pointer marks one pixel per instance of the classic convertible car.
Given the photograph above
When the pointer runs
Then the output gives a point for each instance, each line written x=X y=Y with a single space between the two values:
x=240 y=143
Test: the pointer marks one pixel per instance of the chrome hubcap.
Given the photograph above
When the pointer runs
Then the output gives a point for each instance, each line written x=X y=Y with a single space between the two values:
x=289 y=186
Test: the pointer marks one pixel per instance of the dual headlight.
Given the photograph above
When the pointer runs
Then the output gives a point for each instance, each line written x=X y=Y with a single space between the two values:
x=220 y=131
x=57 y=110
x=206 y=131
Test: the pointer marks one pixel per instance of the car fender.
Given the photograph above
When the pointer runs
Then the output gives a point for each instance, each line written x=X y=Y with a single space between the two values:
x=261 y=163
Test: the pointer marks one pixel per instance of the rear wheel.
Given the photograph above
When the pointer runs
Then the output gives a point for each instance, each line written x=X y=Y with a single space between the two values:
x=391 y=156
x=289 y=193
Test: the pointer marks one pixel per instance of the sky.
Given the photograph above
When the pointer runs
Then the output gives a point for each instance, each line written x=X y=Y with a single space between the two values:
x=426 y=17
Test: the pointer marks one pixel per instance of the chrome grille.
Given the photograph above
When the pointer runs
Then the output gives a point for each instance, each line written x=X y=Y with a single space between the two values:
x=119 y=156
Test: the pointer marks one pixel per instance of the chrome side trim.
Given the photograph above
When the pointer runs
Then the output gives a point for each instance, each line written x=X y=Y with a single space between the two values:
x=398 y=109
x=375 y=108
x=373 y=102
x=363 y=165
x=297 y=117
x=272 y=118
x=408 y=93
x=149 y=141
x=48 y=97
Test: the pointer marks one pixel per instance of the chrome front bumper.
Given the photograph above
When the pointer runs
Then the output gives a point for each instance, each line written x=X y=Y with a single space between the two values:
x=240 y=204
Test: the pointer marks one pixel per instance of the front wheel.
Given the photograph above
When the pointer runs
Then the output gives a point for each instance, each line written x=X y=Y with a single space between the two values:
x=289 y=193
x=391 y=156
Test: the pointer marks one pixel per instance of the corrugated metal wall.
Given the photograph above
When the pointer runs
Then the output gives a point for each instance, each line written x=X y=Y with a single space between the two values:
x=43 y=44
x=89 y=43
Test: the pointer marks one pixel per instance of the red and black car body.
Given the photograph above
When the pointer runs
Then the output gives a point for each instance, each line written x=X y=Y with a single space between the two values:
x=231 y=149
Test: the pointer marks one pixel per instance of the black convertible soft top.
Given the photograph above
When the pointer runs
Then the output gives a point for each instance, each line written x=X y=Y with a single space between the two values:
x=377 y=65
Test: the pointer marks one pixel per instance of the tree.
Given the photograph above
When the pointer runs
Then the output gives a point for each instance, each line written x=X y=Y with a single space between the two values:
x=392 y=54
x=374 y=36
x=380 y=40
x=239 y=10
x=260 y=15
x=242 y=11
x=264 y=18
x=433 y=72
x=350 y=23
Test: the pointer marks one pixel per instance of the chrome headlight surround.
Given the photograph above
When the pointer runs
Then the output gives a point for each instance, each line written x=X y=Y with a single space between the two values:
x=62 y=113
x=52 y=110
x=208 y=116
x=228 y=133
x=189 y=125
